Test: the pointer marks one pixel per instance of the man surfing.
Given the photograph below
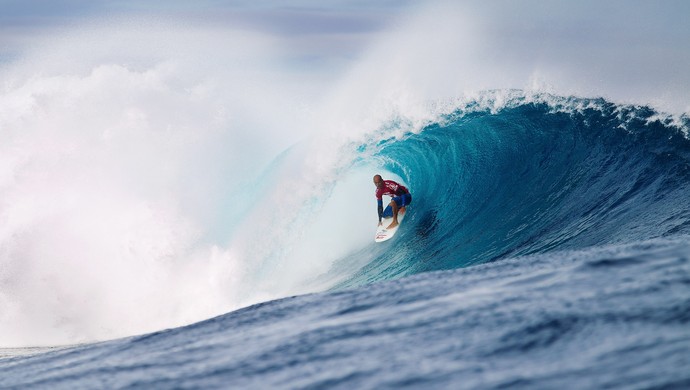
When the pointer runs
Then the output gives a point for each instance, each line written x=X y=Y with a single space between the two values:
x=401 y=197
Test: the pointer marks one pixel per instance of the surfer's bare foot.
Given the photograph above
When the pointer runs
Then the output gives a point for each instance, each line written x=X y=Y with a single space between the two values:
x=392 y=225
x=402 y=210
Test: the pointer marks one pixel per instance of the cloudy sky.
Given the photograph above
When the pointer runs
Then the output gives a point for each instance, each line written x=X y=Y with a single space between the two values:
x=620 y=49
x=24 y=22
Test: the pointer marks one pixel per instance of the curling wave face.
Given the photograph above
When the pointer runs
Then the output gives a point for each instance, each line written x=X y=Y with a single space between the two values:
x=533 y=175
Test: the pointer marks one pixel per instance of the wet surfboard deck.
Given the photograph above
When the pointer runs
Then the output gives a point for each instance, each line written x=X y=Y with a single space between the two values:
x=385 y=234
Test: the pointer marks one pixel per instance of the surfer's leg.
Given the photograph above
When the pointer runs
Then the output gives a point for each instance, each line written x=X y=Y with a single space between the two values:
x=394 y=206
x=405 y=200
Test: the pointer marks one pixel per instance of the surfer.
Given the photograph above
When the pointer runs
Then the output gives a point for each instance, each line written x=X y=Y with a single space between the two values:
x=401 y=197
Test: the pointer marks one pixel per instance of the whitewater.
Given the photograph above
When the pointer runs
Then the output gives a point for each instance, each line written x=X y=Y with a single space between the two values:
x=188 y=206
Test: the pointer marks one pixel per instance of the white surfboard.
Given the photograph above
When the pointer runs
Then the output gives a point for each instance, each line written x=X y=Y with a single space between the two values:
x=383 y=233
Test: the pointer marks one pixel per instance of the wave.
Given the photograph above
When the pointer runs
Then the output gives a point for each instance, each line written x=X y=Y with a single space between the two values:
x=500 y=174
x=526 y=174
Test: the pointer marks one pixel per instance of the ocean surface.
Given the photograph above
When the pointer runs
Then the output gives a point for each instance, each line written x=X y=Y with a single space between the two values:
x=547 y=246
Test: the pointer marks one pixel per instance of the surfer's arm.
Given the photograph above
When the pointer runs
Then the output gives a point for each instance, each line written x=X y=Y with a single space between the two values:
x=380 y=208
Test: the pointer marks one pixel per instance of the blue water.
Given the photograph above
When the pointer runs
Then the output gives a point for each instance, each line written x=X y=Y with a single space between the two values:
x=547 y=246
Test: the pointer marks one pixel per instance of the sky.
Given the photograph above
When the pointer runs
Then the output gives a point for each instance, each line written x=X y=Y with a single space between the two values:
x=23 y=22
x=621 y=49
